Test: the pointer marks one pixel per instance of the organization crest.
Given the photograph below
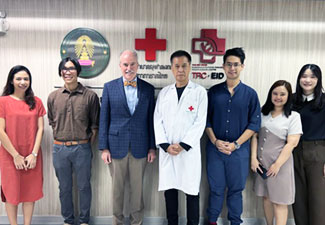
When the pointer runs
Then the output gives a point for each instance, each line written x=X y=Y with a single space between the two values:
x=208 y=45
x=89 y=47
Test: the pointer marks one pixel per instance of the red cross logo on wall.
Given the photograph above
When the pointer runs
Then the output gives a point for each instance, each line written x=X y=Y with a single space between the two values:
x=191 y=108
x=150 y=44
x=209 y=45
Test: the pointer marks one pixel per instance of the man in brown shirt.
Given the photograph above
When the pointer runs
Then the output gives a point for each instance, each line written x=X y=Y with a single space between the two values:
x=73 y=113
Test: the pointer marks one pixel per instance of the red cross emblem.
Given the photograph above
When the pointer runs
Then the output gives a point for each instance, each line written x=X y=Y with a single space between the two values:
x=191 y=108
x=209 y=45
x=150 y=44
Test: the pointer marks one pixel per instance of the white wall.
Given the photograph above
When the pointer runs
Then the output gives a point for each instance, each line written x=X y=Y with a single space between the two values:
x=279 y=37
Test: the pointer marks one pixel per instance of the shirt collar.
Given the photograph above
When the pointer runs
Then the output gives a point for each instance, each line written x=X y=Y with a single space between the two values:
x=135 y=79
x=190 y=84
x=308 y=97
x=80 y=89
x=235 y=89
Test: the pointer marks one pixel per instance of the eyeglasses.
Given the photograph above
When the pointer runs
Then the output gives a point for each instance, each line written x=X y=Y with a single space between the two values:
x=70 y=69
x=233 y=64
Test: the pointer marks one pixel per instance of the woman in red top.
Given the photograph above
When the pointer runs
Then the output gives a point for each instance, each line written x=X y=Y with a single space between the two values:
x=21 y=131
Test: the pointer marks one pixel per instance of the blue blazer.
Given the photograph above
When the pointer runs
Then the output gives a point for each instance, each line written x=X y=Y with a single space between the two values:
x=120 y=131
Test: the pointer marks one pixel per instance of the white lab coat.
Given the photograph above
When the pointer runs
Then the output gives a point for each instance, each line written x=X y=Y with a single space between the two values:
x=180 y=121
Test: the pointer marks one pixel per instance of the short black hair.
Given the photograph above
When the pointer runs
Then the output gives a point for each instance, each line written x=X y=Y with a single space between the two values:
x=74 y=61
x=181 y=53
x=269 y=106
x=238 y=52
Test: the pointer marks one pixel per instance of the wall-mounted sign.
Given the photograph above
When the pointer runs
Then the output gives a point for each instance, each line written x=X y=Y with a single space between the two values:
x=89 y=47
x=150 y=44
x=208 y=45
x=153 y=71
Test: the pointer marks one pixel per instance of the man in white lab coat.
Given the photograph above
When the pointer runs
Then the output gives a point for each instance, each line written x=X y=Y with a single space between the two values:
x=179 y=122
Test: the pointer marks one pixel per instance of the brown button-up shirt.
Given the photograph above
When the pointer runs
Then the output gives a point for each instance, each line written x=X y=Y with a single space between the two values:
x=73 y=115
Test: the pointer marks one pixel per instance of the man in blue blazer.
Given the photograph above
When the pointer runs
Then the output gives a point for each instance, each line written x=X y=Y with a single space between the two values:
x=126 y=135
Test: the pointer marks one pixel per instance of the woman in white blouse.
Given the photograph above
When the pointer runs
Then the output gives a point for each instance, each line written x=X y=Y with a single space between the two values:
x=271 y=155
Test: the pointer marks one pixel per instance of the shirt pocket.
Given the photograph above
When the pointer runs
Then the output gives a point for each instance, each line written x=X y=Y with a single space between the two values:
x=188 y=115
x=81 y=112
x=190 y=107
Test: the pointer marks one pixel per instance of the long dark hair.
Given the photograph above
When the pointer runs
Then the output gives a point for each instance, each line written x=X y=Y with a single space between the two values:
x=298 y=100
x=9 y=88
x=269 y=106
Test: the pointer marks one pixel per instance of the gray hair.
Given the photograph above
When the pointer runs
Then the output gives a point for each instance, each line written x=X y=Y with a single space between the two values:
x=134 y=53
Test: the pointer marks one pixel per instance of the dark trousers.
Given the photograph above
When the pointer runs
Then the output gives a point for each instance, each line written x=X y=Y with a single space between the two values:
x=77 y=159
x=192 y=208
x=227 y=171
x=309 y=206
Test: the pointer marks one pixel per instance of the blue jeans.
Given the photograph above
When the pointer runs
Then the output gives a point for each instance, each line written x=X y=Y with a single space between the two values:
x=77 y=159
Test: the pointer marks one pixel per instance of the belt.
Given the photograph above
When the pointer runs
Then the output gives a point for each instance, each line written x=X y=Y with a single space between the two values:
x=69 y=143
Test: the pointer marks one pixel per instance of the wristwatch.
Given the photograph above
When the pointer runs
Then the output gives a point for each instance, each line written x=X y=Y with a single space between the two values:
x=237 y=146
x=34 y=154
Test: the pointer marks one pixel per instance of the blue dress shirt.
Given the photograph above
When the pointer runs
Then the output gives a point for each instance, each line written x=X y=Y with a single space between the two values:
x=229 y=116
x=131 y=94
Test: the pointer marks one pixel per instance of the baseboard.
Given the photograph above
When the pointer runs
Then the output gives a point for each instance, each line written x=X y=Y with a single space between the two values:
x=251 y=221
x=107 y=220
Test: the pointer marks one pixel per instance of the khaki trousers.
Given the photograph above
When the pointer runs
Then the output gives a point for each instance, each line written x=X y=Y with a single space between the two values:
x=121 y=169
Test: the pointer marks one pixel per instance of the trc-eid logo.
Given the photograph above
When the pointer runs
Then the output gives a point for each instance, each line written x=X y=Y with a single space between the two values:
x=208 y=46
x=204 y=75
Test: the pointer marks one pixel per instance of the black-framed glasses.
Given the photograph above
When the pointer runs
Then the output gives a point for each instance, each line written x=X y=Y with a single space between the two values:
x=70 y=69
